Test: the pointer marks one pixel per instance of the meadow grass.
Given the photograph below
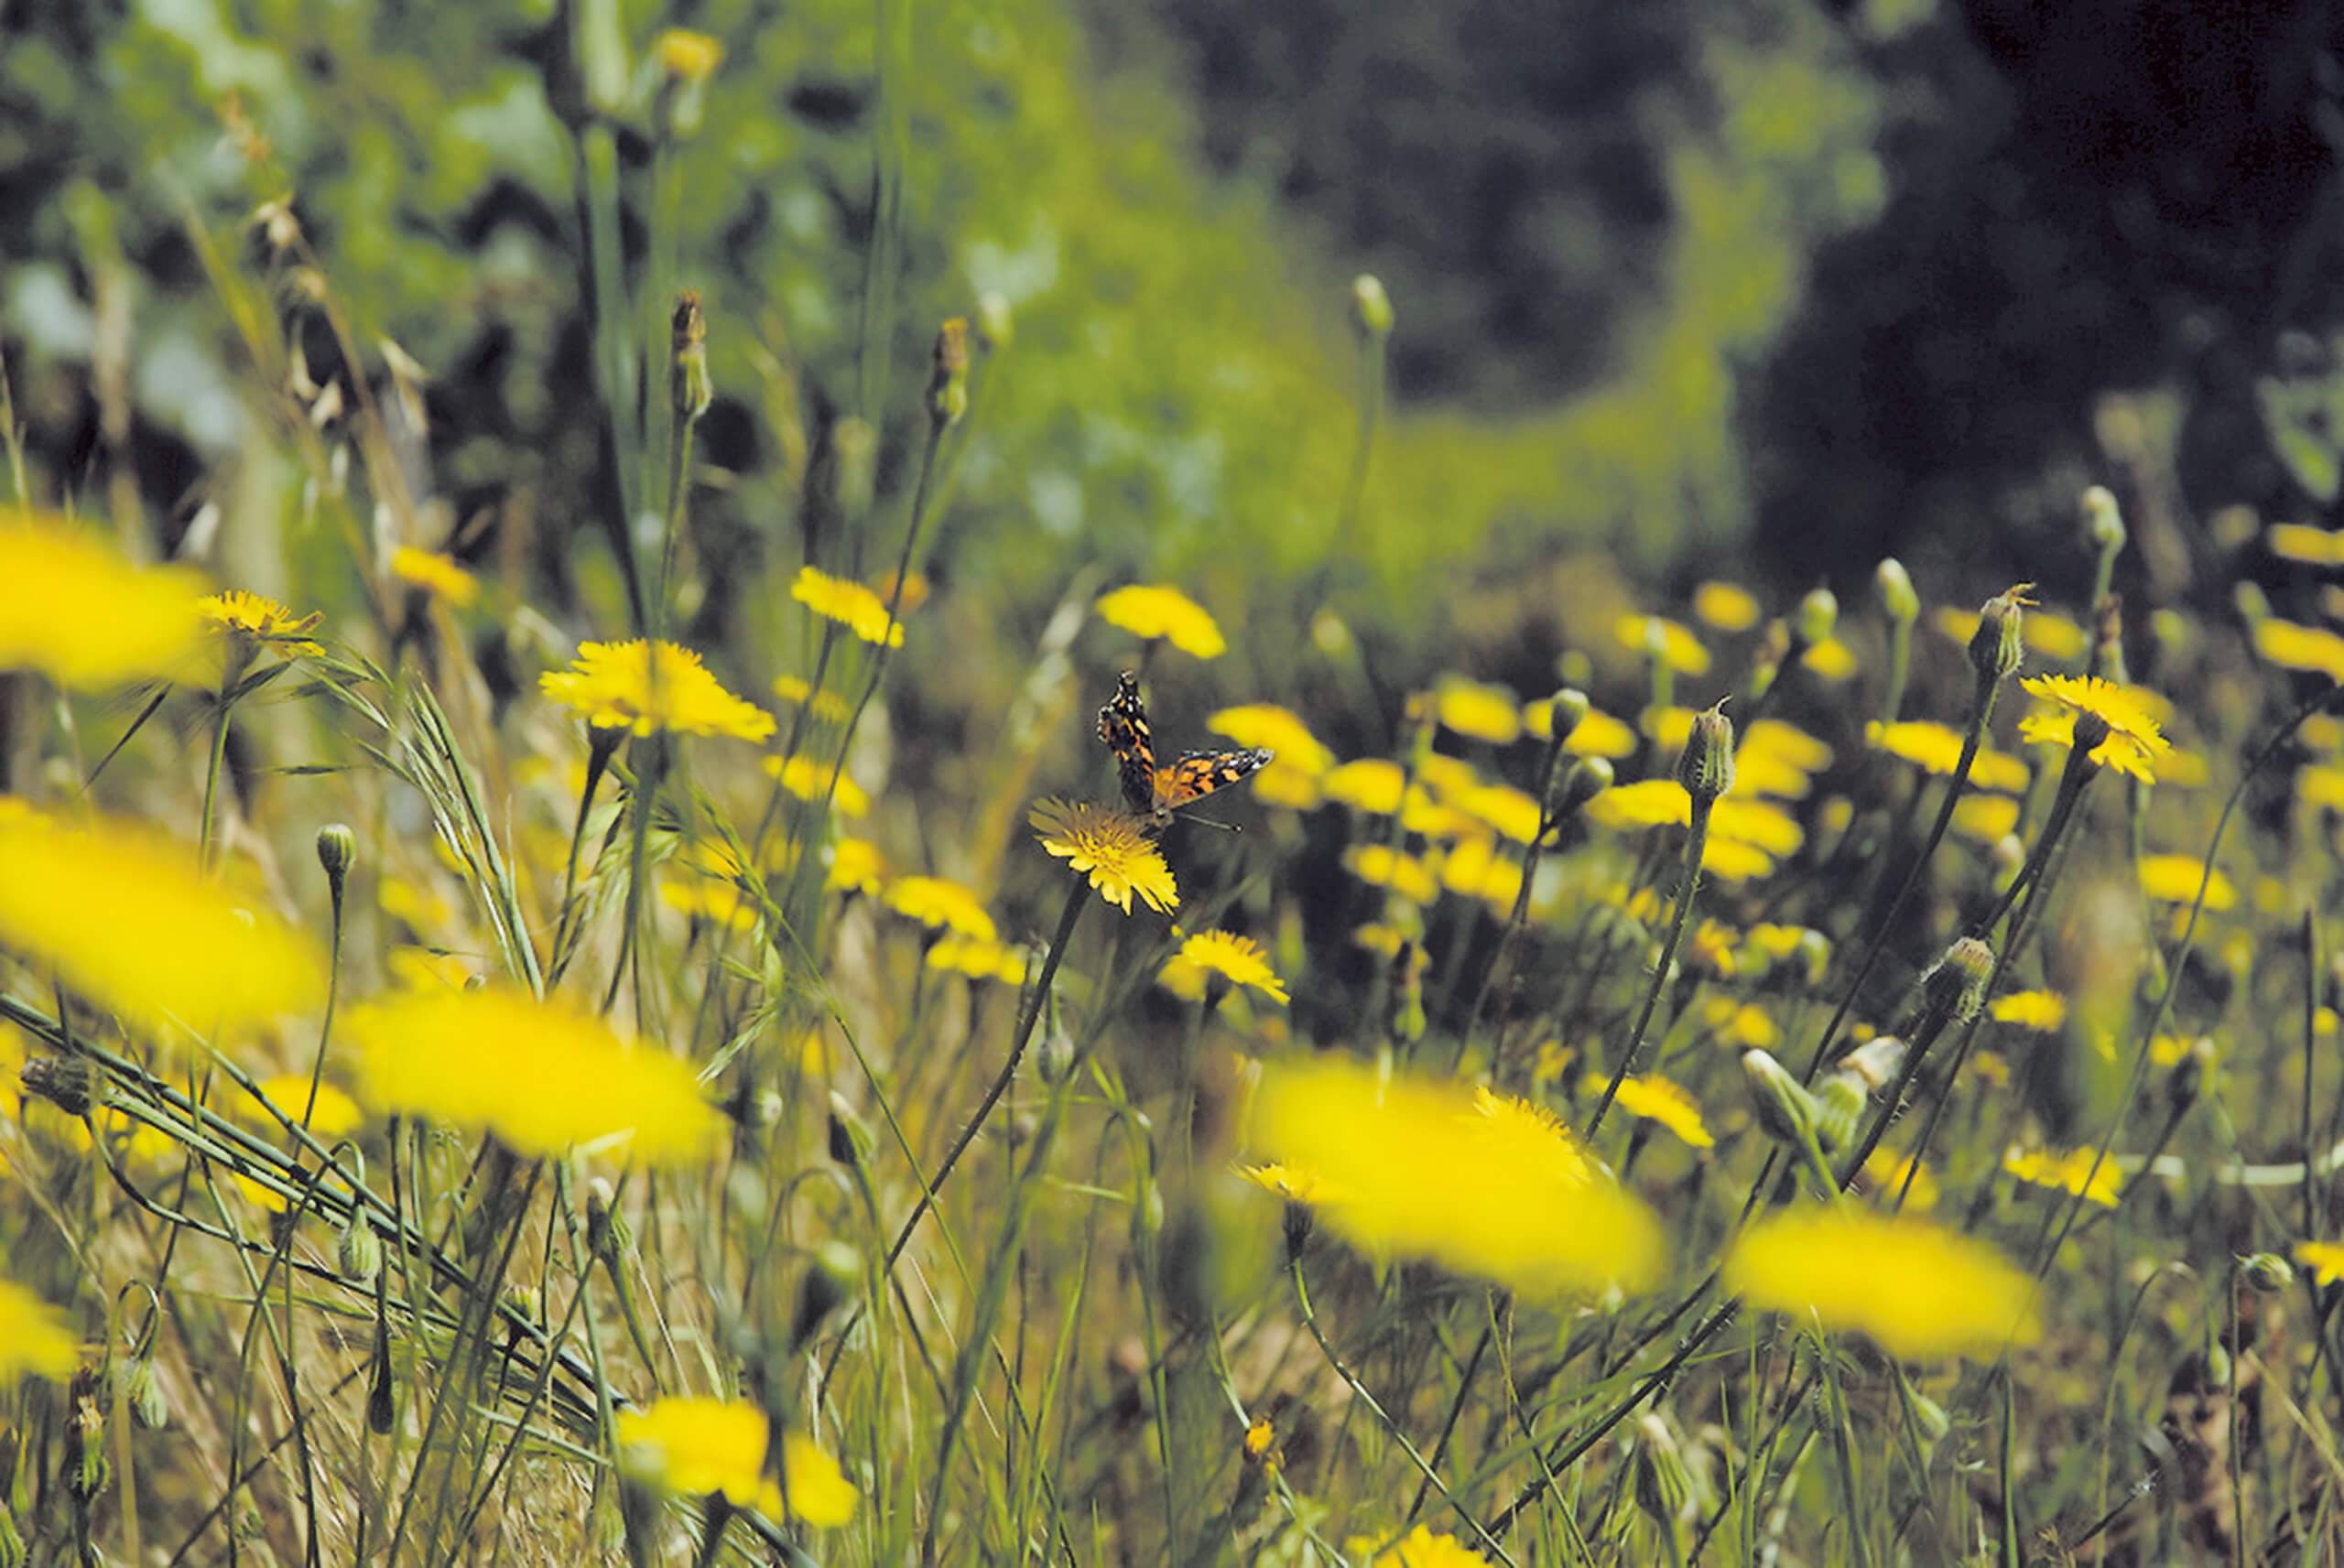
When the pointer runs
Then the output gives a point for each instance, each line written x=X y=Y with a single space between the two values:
x=1886 y=1115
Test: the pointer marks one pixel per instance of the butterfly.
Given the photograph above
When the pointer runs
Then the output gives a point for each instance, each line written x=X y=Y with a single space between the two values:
x=1153 y=792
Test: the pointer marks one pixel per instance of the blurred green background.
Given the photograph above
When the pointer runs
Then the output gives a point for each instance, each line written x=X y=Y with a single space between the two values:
x=1682 y=289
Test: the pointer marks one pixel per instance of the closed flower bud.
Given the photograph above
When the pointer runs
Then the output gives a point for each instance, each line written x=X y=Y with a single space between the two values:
x=947 y=376
x=1371 y=308
x=1896 y=593
x=69 y=1083
x=607 y=1235
x=996 y=326
x=142 y=1391
x=1785 y=1109
x=358 y=1251
x=1585 y=779
x=86 y=1471
x=1838 y=1102
x=1566 y=712
x=2266 y=1273
x=1953 y=987
x=689 y=389
x=1995 y=648
x=1706 y=767
x=337 y=851
x=1818 y=617
x=2103 y=524
x=1662 y=1481
x=850 y=1140
x=2183 y=1084
x=2091 y=733
x=382 y=1407
x=831 y=1278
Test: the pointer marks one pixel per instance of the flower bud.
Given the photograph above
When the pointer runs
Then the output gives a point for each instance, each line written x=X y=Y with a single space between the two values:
x=1566 y=712
x=337 y=851
x=2266 y=1273
x=850 y=1140
x=1706 y=766
x=86 y=1470
x=996 y=325
x=688 y=392
x=947 y=376
x=1996 y=647
x=382 y=1407
x=1953 y=987
x=1818 y=617
x=1662 y=1482
x=1783 y=1107
x=69 y=1083
x=1897 y=592
x=2184 y=1084
x=2091 y=733
x=1371 y=308
x=830 y=1277
x=358 y=1251
x=2103 y=524
x=1585 y=779
x=142 y=1391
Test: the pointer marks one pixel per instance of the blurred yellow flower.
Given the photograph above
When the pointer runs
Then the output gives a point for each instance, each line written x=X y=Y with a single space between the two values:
x=1378 y=866
x=2324 y=1259
x=1921 y=1292
x=806 y=779
x=2072 y=1172
x=1727 y=606
x=1420 y=1548
x=2293 y=647
x=1288 y=1181
x=715 y=902
x=1505 y=810
x=1597 y=735
x=1240 y=961
x=1481 y=1185
x=97 y=620
x=1654 y=803
x=625 y=684
x=540 y=1075
x=828 y=705
x=435 y=574
x=941 y=902
x=1278 y=783
x=1475 y=869
x=1759 y=823
x=1477 y=711
x=2045 y=1010
x=1372 y=785
x=1985 y=818
x=124 y=919
x=255 y=620
x=849 y=604
x=688 y=56
x=1112 y=847
x=695 y=1446
x=819 y=1493
x=1264 y=726
x=1667 y=640
x=1887 y=1173
x=1163 y=611
x=33 y=1339
x=856 y=865
x=1937 y=748
x=1655 y=1099
x=2176 y=878
x=978 y=958
x=2133 y=743
x=1830 y=659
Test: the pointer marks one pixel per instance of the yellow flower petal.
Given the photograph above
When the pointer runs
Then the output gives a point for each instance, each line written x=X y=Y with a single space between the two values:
x=95 y=620
x=850 y=604
x=1164 y=611
x=1920 y=1291
x=1111 y=848
x=625 y=684
x=33 y=1339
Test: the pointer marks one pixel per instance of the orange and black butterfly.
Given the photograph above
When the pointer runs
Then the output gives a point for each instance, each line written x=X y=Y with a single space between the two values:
x=1153 y=792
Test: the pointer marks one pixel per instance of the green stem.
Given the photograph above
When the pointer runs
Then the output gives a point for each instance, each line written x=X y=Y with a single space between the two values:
x=1696 y=839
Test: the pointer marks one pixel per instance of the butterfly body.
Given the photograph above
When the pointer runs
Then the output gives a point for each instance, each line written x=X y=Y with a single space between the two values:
x=1156 y=791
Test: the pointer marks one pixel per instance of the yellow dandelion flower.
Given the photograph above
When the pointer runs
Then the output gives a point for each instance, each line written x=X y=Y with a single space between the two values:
x=828 y=705
x=1264 y=726
x=1657 y=1098
x=1985 y=818
x=1112 y=847
x=1991 y=1070
x=1936 y=749
x=1475 y=869
x=435 y=574
x=1759 y=823
x=1597 y=735
x=123 y=917
x=1726 y=606
x=1418 y=1168
x=1655 y=803
x=1671 y=643
x=2321 y=784
x=1669 y=728
x=1164 y=612
x=1450 y=779
x=808 y=779
x=2044 y=1011
x=2176 y=878
x=1420 y=1548
x=1378 y=866
x=688 y=56
x=1279 y=783
x=942 y=903
x=1380 y=939
x=849 y=603
x=33 y=1339
x=1372 y=784
x=2302 y=542
x=1479 y=712
x=1740 y=1024
x=856 y=865
x=2293 y=647
x=978 y=959
x=717 y=902
x=1921 y=1292
x=2324 y=1259
x=2071 y=1172
x=1889 y=1172
x=256 y=620
x=627 y=685
x=97 y=620
x=819 y=1493
x=694 y=1446
x=1775 y=758
x=2133 y=743
x=1240 y=961
x=1290 y=1182
x=1830 y=659
x=1505 y=810
x=542 y=1077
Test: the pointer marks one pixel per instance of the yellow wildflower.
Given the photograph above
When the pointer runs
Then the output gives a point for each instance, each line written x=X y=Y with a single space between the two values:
x=688 y=56
x=2293 y=647
x=1920 y=1291
x=255 y=619
x=1264 y=726
x=1655 y=803
x=1279 y=783
x=1290 y=1182
x=1889 y=1173
x=1728 y=607
x=96 y=621
x=806 y=779
x=943 y=904
x=856 y=865
x=1372 y=785
x=1758 y=823
x=1830 y=659
x=1376 y=865
x=1112 y=847
x=1655 y=1099
x=829 y=705
x=540 y=1075
x=1164 y=611
x=123 y=917
x=2176 y=878
x=2133 y=743
x=2072 y=1172
x=1420 y=1548
x=1936 y=749
x=979 y=958
x=615 y=685
x=33 y=1338
x=2324 y=1259
x=1477 y=711
x=2044 y=1011
x=1985 y=818
x=1666 y=641
x=1241 y=960
x=1597 y=735
x=849 y=603
x=435 y=574
x=695 y=1446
